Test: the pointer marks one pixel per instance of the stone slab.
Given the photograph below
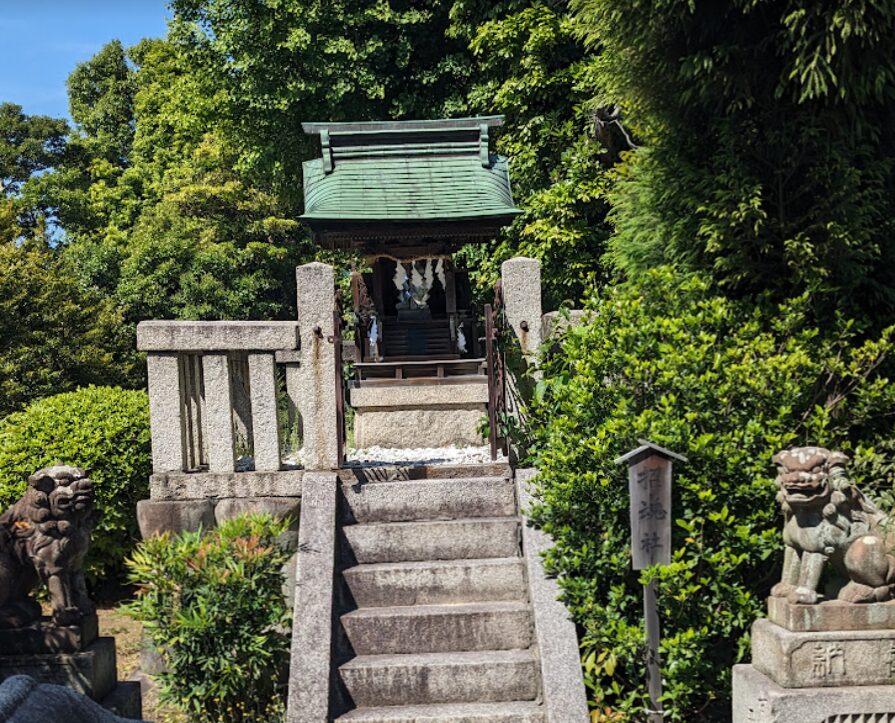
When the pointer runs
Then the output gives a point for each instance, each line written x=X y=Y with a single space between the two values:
x=758 y=699
x=521 y=280
x=485 y=677
x=832 y=615
x=217 y=335
x=265 y=426
x=45 y=637
x=823 y=658
x=205 y=485
x=125 y=700
x=155 y=517
x=563 y=685
x=420 y=395
x=312 y=626
x=431 y=426
x=91 y=672
x=530 y=712
x=165 y=412
x=277 y=507
x=554 y=323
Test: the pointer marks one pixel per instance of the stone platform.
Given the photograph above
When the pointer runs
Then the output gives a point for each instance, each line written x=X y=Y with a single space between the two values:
x=827 y=663
x=73 y=657
x=758 y=699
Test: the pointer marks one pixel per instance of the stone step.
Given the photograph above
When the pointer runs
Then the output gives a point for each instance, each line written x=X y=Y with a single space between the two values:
x=435 y=499
x=481 y=677
x=439 y=628
x=515 y=712
x=436 y=540
x=436 y=583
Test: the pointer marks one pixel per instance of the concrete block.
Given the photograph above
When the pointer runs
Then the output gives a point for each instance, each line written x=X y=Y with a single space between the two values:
x=521 y=282
x=161 y=336
x=125 y=700
x=165 y=412
x=439 y=628
x=219 y=413
x=554 y=323
x=278 y=507
x=155 y=517
x=437 y=582
x=832 y=615
x=44 y=636
x=450 y=713
x=394 y=473
x=822 y=659
x=317 y=397
x=400 y=428
x=202 y=485
x=564 y=696
x=430 y=500
x=382 y=680
x=758 y=699
x=91 y=672
x=265 y=427
x=439 y=540
x=312 y=626
x=420 y=395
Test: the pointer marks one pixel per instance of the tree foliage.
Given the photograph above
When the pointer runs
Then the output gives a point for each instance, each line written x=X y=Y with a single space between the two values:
x=767 y=143
x=54 y=335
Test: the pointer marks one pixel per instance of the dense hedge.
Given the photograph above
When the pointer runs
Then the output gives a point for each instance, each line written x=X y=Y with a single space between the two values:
x=726 y=383
x=104 y=430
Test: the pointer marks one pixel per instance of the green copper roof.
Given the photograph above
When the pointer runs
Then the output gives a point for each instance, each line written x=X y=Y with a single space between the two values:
x=407 y=171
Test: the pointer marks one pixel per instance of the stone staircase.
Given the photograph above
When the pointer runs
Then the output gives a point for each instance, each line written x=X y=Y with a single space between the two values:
x=420 y=598
x=437 y=624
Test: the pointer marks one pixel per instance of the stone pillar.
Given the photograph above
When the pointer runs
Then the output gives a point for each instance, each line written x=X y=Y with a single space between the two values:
x=317 y=374
x=165 y=418
x=265 y=429
x=219 y=412
x=521 y=280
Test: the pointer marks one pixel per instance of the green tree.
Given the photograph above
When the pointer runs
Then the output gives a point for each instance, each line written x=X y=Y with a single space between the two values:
x=54 y=335
x=766 y=142
x=28 y=144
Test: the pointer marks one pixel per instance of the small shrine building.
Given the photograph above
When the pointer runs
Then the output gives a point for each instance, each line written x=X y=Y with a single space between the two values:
x=405 y=196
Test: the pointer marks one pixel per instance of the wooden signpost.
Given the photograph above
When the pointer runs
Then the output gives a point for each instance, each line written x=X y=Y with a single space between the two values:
x=649 y=484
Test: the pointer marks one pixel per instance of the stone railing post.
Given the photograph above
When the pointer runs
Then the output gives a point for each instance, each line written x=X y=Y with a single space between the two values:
x=219 y=412
x=165 y=412
x=316 y=303
x=266 y=430
x=521 y=281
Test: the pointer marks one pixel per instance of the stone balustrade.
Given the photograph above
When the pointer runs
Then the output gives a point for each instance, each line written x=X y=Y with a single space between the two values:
x=212 y=383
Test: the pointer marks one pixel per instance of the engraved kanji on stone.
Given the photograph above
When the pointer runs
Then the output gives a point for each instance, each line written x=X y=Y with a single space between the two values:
x=650 y=542
x=828 y=661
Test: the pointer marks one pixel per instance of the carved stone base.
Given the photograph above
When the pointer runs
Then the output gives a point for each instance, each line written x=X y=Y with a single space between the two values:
x=832 y=615
x=758 y=699
x=823 y=659
x=92 y=671
x=45 y=637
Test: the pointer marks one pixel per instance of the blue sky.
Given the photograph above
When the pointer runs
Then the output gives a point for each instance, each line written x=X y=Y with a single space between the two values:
x=43 y=40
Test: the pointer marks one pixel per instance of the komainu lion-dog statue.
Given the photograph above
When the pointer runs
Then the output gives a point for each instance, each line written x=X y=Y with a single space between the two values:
x=43 y=540
x=830 y=525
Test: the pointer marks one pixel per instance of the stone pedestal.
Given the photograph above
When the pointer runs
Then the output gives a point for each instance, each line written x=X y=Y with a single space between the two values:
x=73 y=656
x=827 y=663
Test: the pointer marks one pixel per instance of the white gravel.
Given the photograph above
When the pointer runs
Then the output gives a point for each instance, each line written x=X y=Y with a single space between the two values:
x=373 y=456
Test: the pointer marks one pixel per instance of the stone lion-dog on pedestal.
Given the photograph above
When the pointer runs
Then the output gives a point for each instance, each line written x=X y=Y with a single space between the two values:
x=829 y=522
x=43 y=540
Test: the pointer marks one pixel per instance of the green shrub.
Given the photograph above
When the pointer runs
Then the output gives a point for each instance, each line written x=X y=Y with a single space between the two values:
x=727 y=383
x=213 y=605
x=104 y=430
